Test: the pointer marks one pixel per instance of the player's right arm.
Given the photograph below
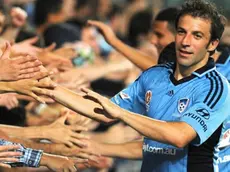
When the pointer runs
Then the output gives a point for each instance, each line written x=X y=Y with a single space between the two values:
x=140 y=59
x=79 y=104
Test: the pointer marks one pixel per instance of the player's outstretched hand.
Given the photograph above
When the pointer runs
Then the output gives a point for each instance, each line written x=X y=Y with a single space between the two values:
x=111 y=110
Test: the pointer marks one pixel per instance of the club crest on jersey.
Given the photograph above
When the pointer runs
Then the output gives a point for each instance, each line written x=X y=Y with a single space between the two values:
x=148 y=97
x=124 y=95
x=182 y=104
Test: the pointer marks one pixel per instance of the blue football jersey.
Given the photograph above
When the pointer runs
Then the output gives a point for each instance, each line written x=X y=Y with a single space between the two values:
x=201 y=100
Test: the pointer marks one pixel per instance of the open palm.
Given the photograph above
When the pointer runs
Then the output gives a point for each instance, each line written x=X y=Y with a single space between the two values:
x=111 y=109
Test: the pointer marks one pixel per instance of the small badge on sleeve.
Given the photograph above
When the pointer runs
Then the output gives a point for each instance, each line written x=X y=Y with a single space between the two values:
x=124 y=95
x=148 y=97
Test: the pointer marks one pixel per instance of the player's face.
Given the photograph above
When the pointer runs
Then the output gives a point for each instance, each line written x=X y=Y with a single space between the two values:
x=162 y=35
x=193 y=41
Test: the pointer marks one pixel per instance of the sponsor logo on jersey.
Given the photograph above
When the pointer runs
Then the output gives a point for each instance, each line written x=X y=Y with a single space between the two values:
x=198 y=119
x=148 y=97
x=203 y=113
x=157 y=150
x=170 y=93
x=182 y=104
x=124 y=95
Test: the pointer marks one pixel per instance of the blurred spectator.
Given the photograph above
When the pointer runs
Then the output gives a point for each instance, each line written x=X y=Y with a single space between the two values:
x=82 y=12
x=49 y=19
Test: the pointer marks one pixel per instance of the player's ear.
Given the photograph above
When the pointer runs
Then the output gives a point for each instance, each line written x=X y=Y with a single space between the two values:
x=213 y=45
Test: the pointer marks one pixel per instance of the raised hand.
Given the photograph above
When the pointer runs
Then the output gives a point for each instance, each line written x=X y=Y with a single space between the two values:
x=59 y=163
x=18 y=17
x=74 y=81
x=8 y=100
x=31 y=87
x=66 y=52
x=106 y=31
x=20 y=67
x=50 y=58
x=27 y=46
x=59 y=132
x=92 y=148
x=74 y=151
x=74 y=118
x=8 y=154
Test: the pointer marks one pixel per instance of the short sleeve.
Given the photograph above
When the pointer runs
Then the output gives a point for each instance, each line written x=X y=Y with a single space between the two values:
x=132 y=97
x=205 y=118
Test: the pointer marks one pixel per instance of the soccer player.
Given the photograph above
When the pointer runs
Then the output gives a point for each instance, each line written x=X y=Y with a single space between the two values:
x=181 y=108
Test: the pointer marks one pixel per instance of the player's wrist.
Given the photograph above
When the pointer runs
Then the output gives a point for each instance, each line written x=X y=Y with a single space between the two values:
x=121 y=114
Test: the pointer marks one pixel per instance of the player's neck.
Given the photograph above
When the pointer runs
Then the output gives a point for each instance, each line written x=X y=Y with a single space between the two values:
x=185 y=71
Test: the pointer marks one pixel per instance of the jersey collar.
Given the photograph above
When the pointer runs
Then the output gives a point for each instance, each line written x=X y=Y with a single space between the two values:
x=210 y=66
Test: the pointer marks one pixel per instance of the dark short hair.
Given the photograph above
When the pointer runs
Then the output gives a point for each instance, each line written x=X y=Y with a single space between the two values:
x=205 y=10
x=169 y=15
x=43 y=8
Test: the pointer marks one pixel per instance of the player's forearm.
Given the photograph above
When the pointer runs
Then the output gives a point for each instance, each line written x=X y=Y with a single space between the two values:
x=131 y=150
x=174 y=133
x=79 y=104
x=140 y=59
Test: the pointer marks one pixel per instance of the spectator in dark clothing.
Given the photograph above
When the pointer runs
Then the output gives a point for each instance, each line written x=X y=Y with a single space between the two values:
x=49 y=19
x=82 y=12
